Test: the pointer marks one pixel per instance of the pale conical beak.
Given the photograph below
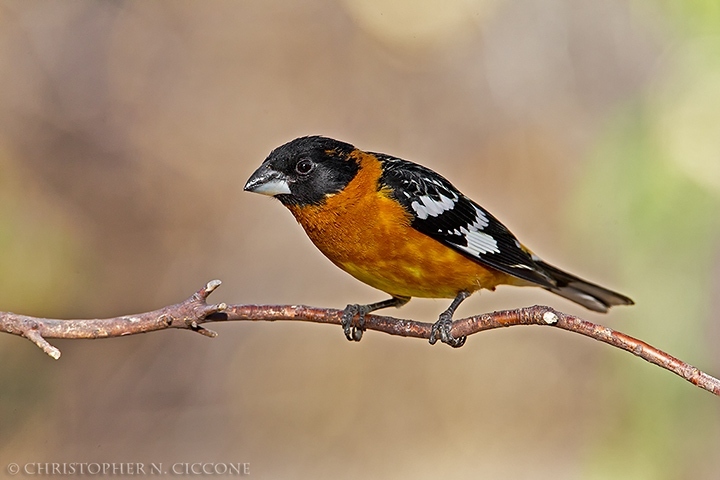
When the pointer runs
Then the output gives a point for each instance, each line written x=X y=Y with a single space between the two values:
x=267 y=181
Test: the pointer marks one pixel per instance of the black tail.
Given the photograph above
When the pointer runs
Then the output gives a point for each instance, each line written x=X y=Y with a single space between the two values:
x=583 y=292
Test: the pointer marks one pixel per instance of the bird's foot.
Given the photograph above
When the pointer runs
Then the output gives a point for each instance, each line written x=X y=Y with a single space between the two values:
x=354 y=332
x=441 y=330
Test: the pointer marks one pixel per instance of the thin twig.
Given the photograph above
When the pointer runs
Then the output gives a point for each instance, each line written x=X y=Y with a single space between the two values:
x=195 y=311
x=188 y=314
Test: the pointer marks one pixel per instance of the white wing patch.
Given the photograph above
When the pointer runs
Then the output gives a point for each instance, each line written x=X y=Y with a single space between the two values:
x=478 y=242
x=426 y=207
x=481 y=220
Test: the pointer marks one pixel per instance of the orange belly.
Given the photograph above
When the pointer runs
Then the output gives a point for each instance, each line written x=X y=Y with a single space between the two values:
x=370 y=237
x=418 y=267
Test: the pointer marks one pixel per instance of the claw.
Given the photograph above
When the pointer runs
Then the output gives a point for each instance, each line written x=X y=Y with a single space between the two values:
x=354 y=333
x=442 y=327
x=441 y=331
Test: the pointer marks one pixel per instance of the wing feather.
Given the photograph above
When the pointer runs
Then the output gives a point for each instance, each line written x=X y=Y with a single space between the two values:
x=442 y=212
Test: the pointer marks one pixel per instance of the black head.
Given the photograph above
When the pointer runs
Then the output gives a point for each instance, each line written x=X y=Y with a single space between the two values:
x=305 y=171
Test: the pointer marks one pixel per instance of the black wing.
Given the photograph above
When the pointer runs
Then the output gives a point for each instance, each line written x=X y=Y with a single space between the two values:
x=442 y=212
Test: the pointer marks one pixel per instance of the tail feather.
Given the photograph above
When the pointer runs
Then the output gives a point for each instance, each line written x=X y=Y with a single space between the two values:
x=589 y=295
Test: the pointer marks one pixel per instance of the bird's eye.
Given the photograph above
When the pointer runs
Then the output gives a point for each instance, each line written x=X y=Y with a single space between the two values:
x=304 y=166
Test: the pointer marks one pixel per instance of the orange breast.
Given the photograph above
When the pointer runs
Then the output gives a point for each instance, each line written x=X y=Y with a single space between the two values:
x=367 y=234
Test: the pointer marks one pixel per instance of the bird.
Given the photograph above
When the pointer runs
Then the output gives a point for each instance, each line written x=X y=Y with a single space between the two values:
x=405 y=230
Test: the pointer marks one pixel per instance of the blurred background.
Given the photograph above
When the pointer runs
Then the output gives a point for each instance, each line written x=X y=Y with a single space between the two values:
x=128 y=129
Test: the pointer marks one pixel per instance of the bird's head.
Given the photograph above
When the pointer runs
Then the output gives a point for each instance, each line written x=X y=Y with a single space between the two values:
x=305 y=171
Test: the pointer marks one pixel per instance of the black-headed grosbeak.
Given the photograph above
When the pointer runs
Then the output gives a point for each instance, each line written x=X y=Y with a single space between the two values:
x=405 y=230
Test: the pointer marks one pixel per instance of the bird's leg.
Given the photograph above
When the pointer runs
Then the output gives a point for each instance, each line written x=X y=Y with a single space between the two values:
x=441 y=328
x=355 y=332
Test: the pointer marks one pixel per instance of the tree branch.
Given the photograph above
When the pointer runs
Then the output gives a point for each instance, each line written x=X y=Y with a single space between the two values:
x=195 y=311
